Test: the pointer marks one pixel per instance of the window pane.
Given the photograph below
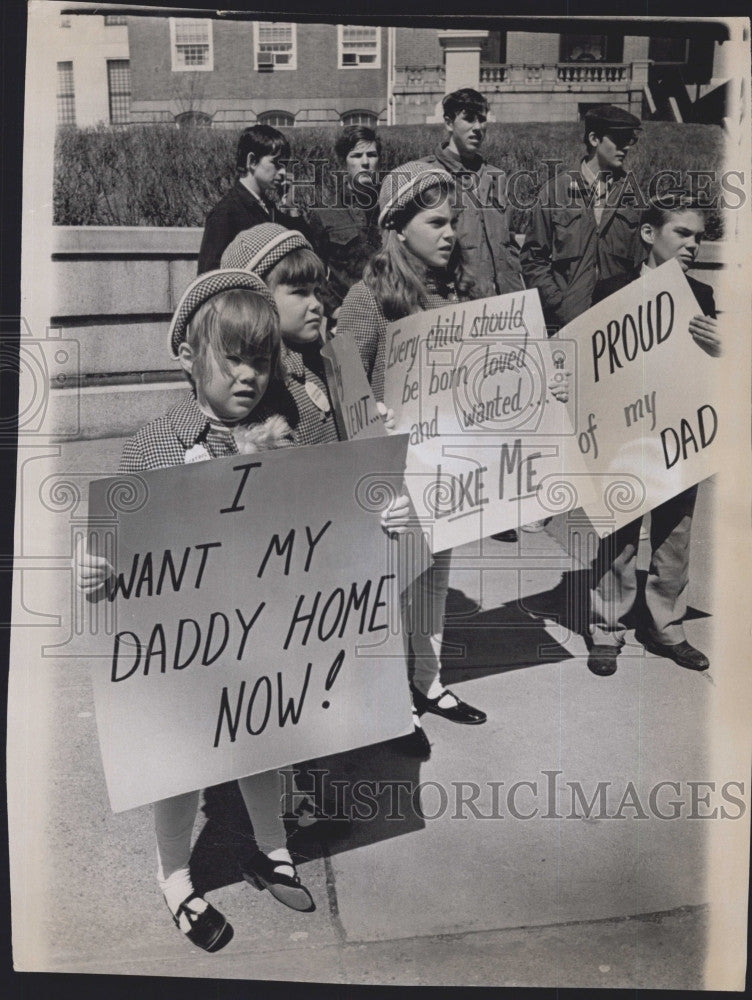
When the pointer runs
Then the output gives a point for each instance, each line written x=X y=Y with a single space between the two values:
x=190 y=31
x=360 y=118
x=119 y=87
x=275 y=35
x=66 y=100
x=278 y=119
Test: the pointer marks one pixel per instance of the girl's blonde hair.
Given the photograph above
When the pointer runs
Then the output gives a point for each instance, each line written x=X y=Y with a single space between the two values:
x=238 y=321
x=390 y=273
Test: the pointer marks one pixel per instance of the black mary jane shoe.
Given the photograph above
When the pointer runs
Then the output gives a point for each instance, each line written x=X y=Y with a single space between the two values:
x=265 y=873
x=209 y=929
x=460 y=712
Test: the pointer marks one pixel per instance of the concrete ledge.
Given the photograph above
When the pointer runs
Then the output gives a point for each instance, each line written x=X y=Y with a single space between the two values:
x=117 y=344
x=131 y=240
x=109 y=411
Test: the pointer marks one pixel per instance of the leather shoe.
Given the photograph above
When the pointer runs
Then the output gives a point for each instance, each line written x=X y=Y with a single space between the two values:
x=415 y=744
x=602 y=660
x=680 y=652
x=510 y=535
x=265 y=873
x=459 y=712
x=207 y=928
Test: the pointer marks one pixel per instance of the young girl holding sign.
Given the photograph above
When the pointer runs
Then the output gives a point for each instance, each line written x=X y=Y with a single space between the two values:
x=418 y=268
x=294 y=274
x=225 y=334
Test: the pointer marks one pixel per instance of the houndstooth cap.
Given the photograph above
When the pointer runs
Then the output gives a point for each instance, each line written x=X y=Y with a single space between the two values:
x=260 y=248
x=405 y=183
x=205 y=287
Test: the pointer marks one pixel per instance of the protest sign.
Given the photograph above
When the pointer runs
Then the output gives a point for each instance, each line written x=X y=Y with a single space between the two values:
x=250 y=631
x=648 y=397
x=354 y=406
x=490 y=446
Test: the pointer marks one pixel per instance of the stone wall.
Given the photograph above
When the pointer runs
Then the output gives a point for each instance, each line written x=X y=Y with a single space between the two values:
x=115 y=290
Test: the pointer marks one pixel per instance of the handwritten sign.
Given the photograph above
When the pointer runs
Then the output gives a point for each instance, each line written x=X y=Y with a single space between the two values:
x=490 y=447
x=354 y=404
x=250 y=631
x=648 y=422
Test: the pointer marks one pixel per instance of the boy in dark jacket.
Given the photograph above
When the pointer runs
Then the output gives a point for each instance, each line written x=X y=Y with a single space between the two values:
x=584 y=226
x=667 y=233
x=261 y=155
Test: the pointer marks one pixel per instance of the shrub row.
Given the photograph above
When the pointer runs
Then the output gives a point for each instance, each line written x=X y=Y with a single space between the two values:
x=162 y=176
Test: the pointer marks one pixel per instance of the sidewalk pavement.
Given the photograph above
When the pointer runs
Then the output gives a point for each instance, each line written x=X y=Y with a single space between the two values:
x=451 y=889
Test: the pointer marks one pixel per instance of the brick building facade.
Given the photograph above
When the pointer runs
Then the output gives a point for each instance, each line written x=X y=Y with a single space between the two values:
x=229 y=73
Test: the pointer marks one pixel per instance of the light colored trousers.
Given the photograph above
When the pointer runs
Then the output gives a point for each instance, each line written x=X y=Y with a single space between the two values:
x=614 y=585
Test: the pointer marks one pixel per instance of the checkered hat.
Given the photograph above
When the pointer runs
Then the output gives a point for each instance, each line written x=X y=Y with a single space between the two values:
x=204 y=288
x=260 y=248
x=403 y=185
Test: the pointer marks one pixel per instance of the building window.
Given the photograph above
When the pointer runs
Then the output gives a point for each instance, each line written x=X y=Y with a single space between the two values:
x=358 y=47
x=114 y=20
x=275 y=46
x=66 y=97
x=119 y=90
x=193 y=119
x=277 y=119
x=191 y=44
x=368 y=118
x=591 y=48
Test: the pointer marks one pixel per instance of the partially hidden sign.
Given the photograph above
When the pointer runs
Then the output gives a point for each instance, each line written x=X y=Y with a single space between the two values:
x=354 y=404
x=490 y=446
x=649 y=416
x=256 y=624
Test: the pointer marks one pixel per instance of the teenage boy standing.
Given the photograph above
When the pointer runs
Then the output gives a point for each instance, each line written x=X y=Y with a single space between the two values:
x=260 y=162
x=491 y=255
x=584 y=226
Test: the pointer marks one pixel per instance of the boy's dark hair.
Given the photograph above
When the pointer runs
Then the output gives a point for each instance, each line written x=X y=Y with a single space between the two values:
x=261 y=140
x=465 y=99
x=660 y=210
x=299 y=267
x=349 y=138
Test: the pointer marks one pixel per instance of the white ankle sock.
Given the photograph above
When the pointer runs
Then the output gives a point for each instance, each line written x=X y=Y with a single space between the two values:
x=435 y=690
x=281 y=856
x=178 y=887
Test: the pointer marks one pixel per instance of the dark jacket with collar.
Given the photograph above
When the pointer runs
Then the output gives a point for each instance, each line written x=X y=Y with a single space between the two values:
x=566 y=253
x=235 y=211
x=345 y=238
x=702 y=292
x=490 y=253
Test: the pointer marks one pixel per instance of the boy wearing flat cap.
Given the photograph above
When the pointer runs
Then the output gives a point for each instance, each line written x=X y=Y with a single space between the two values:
x=584 y=226
x=490 y=253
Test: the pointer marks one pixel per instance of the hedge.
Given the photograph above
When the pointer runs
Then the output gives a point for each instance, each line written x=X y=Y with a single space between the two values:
x=157 y=175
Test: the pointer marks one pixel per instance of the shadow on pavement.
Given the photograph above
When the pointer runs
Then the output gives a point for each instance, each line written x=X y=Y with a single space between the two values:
x=372 y=786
